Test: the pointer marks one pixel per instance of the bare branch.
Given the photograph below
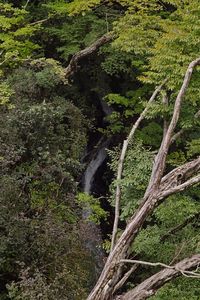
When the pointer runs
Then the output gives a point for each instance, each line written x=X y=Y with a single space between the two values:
x=177 y=135
x=121 y=162
x=180 y=174
x=73 y=64
x=27 y=2
x=149 y=287
x=179 y=188
x=177 y=252
x=160 y=161
x=125 y=277
x=180 y=226
x=159 y=264
x=197 y=115
x=40 y=21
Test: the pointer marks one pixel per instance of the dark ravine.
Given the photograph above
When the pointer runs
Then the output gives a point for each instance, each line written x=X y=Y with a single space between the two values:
x=92 y=233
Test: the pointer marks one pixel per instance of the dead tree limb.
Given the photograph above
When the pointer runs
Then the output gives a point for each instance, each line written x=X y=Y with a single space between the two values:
x=150 y=286
x=110 y=274
x=121 y=162
x=180 y=174
x=160 y=161
x=73 y=64
x=179 y=188
x=125 y=277
x=159 y=264
x=180 y=226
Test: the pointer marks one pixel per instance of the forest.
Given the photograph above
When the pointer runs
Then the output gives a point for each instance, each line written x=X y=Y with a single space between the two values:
x=100 y=150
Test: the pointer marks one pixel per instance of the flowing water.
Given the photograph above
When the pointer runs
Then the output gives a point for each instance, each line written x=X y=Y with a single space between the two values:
x=92 y=233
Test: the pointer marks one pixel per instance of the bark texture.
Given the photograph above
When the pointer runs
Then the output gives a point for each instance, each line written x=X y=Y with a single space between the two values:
x=149 y=287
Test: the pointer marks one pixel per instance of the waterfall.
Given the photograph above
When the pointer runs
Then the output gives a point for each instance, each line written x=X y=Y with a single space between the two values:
x=93 y=166
x=92 y=233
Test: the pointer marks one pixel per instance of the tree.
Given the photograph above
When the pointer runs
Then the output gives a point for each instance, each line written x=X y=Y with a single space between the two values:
x=44 y=133
x=160 y=186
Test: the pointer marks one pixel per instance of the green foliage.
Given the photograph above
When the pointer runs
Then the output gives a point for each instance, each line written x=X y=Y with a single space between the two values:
x=73 y=7
x=193 y=147
x=15 y=34
x=43 y=135
x=5 y=94
x=126 y=108
x=42 y=138
x=52 y=246
x=88 y=202
x=137 y=170
x=181 y=288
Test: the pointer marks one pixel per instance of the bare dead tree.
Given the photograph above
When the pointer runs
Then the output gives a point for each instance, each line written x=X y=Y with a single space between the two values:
x=160 y=186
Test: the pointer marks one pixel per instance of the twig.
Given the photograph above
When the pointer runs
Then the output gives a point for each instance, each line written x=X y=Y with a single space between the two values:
x=27 y=2
x=159 y=264
x=40 y=21
x=107 y=24
x=177 y=253
x=179 y=226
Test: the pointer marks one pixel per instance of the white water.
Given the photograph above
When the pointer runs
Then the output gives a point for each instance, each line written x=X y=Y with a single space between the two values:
x=92 y=168
x=92 y=234
x=105 y=107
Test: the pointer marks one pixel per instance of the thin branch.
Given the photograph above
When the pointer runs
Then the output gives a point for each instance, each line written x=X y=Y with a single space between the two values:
x=177 y=253
x=177 y=135
x=73 y=64
x=107 y=24
x=40 y=21
x=149 y=287
x=179 y=226
x=27 y=2
x=197 y=115
x=125 y=278
x=159 y=264
x=121 y=162
x=5 y=60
